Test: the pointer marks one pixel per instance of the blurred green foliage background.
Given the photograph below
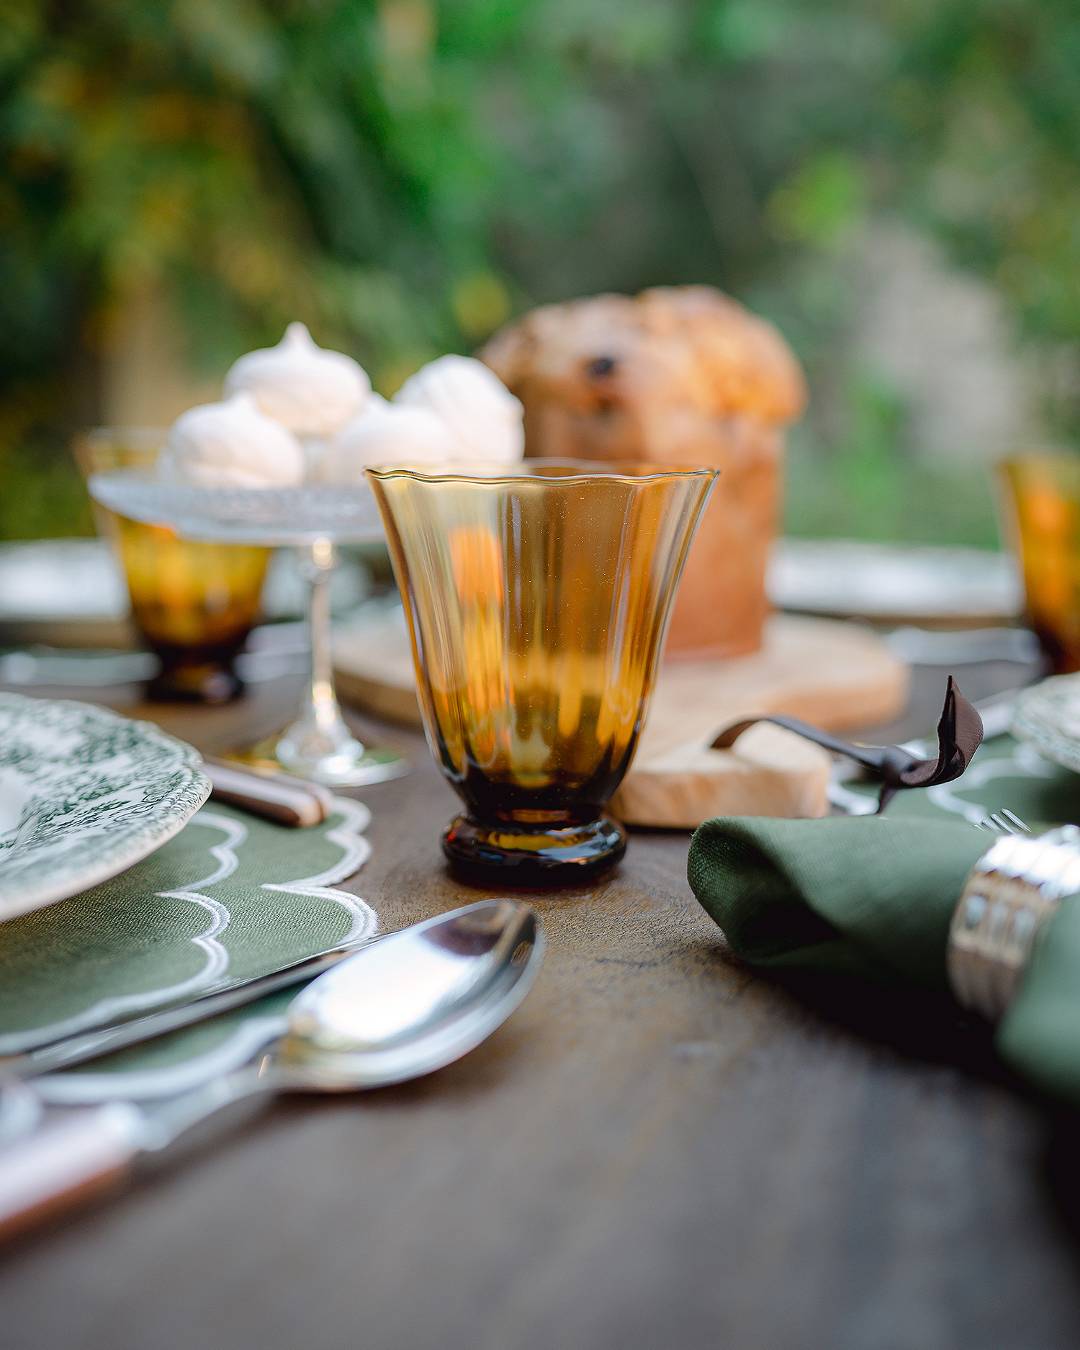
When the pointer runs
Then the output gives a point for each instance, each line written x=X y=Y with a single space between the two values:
x=404 y=175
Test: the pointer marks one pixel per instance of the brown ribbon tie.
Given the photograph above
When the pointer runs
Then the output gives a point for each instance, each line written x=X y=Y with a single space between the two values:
x=959 y=735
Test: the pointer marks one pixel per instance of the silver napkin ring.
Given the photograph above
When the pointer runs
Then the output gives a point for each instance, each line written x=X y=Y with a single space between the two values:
x=1009 y=894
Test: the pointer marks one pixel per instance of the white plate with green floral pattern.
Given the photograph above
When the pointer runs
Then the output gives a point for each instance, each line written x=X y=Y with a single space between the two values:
x=1047 y=716
x=84 y=794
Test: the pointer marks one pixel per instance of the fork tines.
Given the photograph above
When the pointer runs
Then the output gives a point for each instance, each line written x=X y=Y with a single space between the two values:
x=1003 y=822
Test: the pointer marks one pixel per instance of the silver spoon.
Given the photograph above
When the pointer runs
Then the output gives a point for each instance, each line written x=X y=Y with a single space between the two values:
x=400 y=1008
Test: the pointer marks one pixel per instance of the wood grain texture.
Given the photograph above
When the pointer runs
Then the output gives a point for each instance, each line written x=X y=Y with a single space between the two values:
x=660 y=1151
x=835 y=675
x=767 y=772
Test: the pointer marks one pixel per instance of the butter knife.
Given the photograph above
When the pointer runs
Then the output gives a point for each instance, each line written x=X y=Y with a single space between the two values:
x=275 y=796
x=85 y=1045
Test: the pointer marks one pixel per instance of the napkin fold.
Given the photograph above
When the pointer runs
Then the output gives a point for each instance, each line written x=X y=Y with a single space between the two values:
x=1040 y=1034
x=872 y=897
x=856 y=895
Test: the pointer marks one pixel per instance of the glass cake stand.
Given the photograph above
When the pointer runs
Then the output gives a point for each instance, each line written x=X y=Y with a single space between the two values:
x=313 y=519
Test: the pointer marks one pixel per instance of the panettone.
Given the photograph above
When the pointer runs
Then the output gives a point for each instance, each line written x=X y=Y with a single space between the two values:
x=684 y=375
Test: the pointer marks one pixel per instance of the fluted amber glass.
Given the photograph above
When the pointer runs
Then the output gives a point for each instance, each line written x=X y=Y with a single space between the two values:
x=193 y=604
x=537 y=602
x=1042 y=517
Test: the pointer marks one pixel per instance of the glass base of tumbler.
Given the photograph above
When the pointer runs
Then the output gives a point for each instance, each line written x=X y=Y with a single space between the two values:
x=209 y=684
x=532 y=855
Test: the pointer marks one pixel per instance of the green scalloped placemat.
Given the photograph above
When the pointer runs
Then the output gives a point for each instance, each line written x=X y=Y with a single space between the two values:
x=229 y=898
x=1004 y=773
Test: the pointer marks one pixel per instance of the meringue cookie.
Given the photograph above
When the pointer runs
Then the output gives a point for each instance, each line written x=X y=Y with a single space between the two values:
x=384 y=433
x=306 y=388
x=484 y=418
x=231 y=444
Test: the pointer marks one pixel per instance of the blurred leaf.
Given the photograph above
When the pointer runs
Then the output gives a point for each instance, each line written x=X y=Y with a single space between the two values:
x=822 y=202
x=402 y=173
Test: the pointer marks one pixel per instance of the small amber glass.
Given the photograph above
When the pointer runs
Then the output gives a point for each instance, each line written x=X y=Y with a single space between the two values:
x=194 y=604
x=537 y=602
x=1042 y=510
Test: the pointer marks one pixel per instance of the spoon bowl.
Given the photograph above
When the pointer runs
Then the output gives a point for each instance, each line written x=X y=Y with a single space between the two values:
x=412 y=1002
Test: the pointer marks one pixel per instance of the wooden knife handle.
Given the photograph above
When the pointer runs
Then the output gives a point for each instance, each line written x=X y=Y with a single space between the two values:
x=65 y=1161
x=276 y=797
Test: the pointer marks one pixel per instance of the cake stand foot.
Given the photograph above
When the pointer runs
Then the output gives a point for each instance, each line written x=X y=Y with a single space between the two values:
x=348 y=764
x=337 y=759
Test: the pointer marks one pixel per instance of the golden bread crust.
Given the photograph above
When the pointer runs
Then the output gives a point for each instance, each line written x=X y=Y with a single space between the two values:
x=687 y=346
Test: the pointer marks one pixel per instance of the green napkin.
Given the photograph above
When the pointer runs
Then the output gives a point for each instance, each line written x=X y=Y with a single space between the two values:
x=229 y=898
x=873 y=897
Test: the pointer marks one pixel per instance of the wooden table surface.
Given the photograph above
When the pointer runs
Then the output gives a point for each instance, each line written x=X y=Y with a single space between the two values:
x=661 y=1149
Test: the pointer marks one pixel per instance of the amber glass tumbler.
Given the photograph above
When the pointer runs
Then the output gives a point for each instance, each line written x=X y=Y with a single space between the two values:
x=193 y=604
x=1042 y=518
x=537 y=602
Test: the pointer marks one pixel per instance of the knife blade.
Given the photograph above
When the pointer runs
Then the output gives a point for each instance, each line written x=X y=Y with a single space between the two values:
x=86 y=1045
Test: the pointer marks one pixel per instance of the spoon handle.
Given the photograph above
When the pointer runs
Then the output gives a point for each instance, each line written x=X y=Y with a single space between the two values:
x=78 y=1155
x=66 y=1161
x=164 y=1122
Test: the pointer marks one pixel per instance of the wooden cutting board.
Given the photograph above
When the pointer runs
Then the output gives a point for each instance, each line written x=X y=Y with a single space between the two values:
x=835 y=674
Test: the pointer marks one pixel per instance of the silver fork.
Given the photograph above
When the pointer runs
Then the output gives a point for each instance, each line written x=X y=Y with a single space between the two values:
x=1003 y=822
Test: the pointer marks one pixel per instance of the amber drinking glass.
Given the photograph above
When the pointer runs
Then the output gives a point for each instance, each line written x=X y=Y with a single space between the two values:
x=1042 y=516
x=537 y=602
x=193 y=604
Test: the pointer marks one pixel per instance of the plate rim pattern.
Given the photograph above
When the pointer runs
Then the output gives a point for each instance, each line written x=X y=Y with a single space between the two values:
x=1037 y=719
x=71 y=871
